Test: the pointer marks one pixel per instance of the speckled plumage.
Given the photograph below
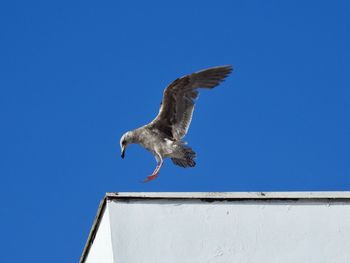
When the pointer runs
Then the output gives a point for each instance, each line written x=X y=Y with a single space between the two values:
x=163 y=136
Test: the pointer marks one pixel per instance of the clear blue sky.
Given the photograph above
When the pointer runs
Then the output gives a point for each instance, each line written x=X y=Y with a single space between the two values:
x=75 y=75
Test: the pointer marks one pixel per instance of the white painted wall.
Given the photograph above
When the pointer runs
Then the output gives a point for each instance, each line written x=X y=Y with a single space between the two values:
x=101 y=251
x=190 y=231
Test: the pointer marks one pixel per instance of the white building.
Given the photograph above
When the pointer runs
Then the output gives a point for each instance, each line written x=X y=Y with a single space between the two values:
x=271 y=227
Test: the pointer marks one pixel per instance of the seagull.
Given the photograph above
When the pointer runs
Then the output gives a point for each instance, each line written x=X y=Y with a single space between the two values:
x=163 y=136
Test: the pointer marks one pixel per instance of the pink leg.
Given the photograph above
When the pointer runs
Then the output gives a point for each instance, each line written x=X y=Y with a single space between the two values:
x=155 y=173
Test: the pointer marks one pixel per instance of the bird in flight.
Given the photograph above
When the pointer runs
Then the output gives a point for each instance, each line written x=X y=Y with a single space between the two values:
x=163 y=136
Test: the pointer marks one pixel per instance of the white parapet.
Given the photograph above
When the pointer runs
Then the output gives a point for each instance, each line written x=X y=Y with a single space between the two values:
x=220 y=227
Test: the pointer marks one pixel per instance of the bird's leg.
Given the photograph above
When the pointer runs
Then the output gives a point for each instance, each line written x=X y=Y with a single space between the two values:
x=155 y=172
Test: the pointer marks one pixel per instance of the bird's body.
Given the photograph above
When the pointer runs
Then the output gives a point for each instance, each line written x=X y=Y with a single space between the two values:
x=154 y=141
x=163 y=137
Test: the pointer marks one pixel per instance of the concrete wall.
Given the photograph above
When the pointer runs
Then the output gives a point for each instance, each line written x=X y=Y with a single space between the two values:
x=190 y=230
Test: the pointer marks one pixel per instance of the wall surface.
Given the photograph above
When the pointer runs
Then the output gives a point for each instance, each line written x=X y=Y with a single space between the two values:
x=101 y=251
x=193 y=231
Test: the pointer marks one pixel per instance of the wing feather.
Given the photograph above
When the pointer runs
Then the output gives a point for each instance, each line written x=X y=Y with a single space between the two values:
x=176 y=110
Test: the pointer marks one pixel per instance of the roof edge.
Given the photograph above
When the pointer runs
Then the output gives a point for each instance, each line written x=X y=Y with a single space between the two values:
x=231 y=195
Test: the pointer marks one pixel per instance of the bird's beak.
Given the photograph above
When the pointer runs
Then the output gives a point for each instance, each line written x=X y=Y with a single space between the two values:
x=123 y=152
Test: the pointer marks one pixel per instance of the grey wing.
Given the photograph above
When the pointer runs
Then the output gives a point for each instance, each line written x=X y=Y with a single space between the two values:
x=176 y=110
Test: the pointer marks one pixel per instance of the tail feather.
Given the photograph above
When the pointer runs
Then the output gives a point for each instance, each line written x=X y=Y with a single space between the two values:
x=183 y=162
x=187 y=159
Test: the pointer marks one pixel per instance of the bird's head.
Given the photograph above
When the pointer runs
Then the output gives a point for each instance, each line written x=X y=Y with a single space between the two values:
x=125 y=140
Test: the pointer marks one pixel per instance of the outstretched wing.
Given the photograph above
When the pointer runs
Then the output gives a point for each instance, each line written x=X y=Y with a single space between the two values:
x=177 y=107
